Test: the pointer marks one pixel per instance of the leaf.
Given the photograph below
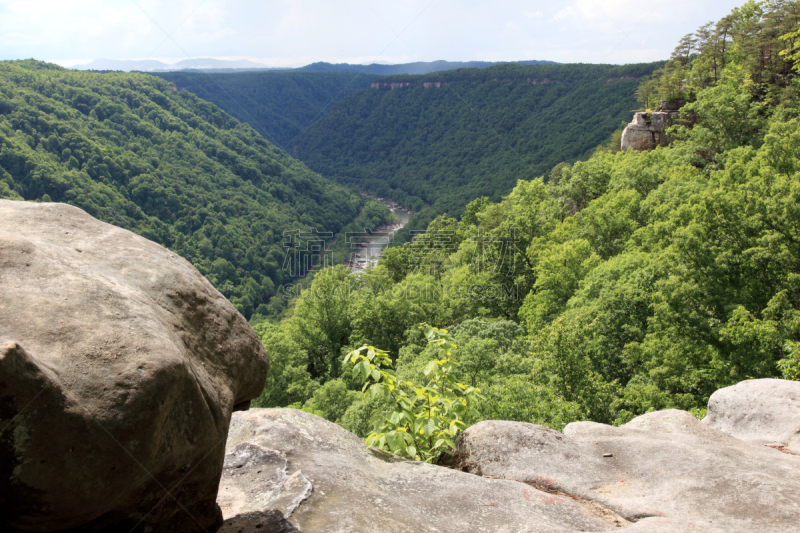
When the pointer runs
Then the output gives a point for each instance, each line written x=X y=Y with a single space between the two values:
x=365 y=368
x=430 y=367
x=394 y=440
x=374 y=391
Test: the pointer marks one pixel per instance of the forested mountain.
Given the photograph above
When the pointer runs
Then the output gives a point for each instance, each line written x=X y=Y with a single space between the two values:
x=440 y=140
x=418 y=67
x=278 y=105
x=131 y=150
x=618 y=285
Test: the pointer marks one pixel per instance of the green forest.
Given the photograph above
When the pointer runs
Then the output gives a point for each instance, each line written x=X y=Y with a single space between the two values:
x=278 y=105
x=133 y=151
x=600 y=290
x=435 y=142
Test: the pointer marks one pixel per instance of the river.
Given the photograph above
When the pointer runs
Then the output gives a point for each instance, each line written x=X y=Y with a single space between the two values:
x=367 y=249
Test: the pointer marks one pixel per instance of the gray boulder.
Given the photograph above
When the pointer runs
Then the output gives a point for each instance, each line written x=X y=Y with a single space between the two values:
x=638 y=139
x=762 y=411
x=287 y=470
x=664 y=471
x=120 y=366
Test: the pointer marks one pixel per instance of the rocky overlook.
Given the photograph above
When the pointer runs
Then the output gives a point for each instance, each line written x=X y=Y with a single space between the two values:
x=665 y=471
x=646 y=130
x=121 y=368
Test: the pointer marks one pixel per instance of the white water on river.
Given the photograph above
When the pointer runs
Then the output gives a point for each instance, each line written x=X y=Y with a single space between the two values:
x=367 y=251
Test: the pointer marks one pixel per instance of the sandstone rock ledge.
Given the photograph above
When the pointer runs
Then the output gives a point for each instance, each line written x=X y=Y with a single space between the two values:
x=663 y=472
x=761 y=411
x=120 y=366
x=646 y=130
x=291 y=471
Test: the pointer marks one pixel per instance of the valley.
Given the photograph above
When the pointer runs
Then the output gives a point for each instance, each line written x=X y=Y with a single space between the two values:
x=409 y=294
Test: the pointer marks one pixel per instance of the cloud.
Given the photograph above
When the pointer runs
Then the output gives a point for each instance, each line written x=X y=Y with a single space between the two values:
x=295 y=31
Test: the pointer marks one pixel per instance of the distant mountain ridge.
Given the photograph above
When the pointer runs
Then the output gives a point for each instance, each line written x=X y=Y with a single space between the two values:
x=418 y=67
x=211 y=64
x=152 y=65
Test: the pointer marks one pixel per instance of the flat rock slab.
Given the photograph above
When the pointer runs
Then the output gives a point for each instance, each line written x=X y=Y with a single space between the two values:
x=762 y=411
x=120 y=366
x=292 y=471
x=663 y=471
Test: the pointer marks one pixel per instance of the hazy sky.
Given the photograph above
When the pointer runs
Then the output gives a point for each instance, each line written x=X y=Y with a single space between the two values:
x=298 y=32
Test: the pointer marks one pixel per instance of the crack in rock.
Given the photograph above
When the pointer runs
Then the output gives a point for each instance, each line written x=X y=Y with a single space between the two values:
x=256 y=488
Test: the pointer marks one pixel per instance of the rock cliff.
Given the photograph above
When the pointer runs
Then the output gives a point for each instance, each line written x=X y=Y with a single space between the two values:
x=120 y=366
x=646 y=130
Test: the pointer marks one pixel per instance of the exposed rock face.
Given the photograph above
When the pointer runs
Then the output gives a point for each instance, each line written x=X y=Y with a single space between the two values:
x=646 y=130
x=120 y=366
x=665 y=471
x=762 y=411
x=291 y=471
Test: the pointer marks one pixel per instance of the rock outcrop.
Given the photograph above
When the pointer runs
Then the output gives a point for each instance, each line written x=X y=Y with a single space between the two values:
x=762 y=411
x=120 y=366
x=646 y=130
x=664 y=471
x=291 y=471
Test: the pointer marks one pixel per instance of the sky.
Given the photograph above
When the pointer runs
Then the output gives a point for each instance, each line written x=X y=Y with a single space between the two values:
x=292 y=33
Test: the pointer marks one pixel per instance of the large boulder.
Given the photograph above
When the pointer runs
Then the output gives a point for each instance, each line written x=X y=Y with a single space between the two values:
x=647 y=130
x=762 y=411
x=120 y=366
x=290 y=471
x=665 y=471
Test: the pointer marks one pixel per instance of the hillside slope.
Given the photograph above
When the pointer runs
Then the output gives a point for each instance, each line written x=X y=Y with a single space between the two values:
x=278 y=105
x=132 y=151
x=443 y=139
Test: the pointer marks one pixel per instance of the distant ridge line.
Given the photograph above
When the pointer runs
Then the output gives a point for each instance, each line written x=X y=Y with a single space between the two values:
x=222 y=66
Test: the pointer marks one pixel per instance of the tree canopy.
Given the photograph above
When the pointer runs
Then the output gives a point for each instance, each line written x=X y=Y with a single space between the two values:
x=761 y=39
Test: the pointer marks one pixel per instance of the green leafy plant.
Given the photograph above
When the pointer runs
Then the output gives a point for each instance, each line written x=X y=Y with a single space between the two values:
x=790 y=365
x=425 y=420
